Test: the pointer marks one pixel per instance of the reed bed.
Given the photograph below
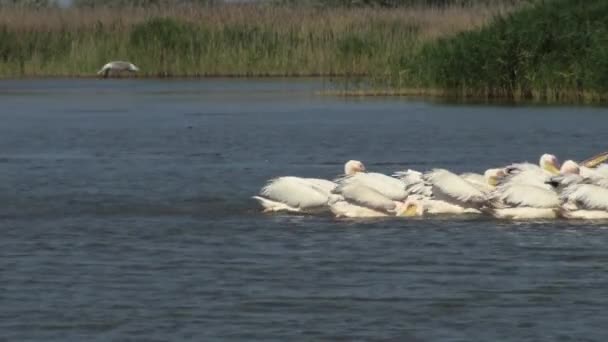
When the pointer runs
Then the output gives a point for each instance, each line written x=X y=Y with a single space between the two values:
x=554 y=51
x=230 y=40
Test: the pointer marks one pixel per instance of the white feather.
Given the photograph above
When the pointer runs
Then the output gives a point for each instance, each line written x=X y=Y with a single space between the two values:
x=586 y=196
x=365 y=196
x=478 y=181
x=532 y=176
x=454 y=189
x=523 y=195
x=391 y=188
x=299 y=193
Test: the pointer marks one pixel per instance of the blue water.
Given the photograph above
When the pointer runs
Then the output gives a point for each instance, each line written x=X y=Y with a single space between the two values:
x=125 y=214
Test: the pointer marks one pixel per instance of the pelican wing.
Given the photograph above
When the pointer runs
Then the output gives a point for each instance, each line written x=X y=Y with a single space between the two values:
x=322 y=184
x=586 y=196
x=477 y=180
x=365 y=196
x=522 y=195
x=389 y=187
x=295 y=192
x=421 y=188
x=452 y=188
x=414 y=183
x=409 y=176
x=533 y=176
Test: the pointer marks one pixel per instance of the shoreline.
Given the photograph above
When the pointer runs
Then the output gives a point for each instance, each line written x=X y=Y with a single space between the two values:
x=450 y=95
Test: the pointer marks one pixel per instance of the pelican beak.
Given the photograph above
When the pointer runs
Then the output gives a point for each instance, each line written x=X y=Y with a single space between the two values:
x=595 y=160
x=492 y=181
x=410 y=211
x=551 y=168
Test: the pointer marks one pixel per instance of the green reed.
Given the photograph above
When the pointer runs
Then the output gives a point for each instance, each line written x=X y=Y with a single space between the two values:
x=225 y=40
x=552 y=51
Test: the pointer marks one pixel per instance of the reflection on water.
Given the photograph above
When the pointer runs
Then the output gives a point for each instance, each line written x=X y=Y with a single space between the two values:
x=126 y=213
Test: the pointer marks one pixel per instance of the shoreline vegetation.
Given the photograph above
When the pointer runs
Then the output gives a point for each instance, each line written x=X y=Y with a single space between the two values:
x=552 y=51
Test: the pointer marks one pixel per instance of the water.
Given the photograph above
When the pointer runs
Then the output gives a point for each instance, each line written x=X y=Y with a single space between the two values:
x=125 y=215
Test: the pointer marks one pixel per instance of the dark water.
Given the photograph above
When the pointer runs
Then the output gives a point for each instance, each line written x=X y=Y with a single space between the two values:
x=125 y=215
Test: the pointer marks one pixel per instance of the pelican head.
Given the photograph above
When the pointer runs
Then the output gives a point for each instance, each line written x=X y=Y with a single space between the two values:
x=412 y=207
x=132 y=67
x=570 y=167
x=492 y=176
x=549 y=163
x=353 y=166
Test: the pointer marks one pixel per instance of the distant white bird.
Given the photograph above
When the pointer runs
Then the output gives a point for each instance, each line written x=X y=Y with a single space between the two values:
x=117 y=66
x=301 y=195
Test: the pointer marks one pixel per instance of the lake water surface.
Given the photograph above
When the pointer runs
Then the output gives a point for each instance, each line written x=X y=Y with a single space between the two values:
x=125 y=214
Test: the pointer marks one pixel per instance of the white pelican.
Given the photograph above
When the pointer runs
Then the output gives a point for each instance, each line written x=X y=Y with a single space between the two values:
x=524 y=201
x=530 y=174
x=585 y=201
x=301 y=195
x=449 y=193
x=526 y=192
x=468 y=191
x=547 y=162
x=367 y=194
x=454 y=189
x=583 y=190
x=117 y=66
x=572 y=173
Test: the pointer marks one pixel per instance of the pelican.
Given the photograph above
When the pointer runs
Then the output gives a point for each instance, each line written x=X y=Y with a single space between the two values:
x=547 y=162
x=367 y=194
x=450 y=193
x=301 y=195
x=454 y=194
x=525 y=192
x=530 y=174
x=583 y=191
x=523 y=202
x=117 y=66
x=585 y=201
x=574 y=173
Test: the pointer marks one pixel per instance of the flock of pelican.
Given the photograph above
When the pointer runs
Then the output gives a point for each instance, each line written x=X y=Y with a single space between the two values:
x=521 y=191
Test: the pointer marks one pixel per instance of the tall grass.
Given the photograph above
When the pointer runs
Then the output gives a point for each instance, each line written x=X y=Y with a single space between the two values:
x=239 y=40
x=554 y=50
